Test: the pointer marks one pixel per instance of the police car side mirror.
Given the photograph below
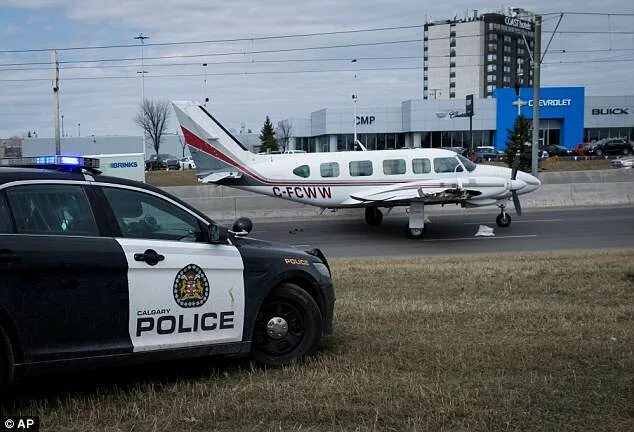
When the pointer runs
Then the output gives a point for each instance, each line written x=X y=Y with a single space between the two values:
x=215 y=234
x=242 y=226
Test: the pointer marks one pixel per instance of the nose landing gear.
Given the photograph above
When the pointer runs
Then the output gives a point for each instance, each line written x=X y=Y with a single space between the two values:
x=503 y=219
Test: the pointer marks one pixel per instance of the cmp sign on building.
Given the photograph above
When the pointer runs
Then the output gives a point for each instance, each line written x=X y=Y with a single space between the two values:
x=563 y=105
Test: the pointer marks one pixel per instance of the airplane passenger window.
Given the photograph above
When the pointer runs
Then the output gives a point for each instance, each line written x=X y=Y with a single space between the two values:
x=302 y=171
x=447 y=165
x=421 y=166
x=393 y=166
x=329 y=169
x=361 y=168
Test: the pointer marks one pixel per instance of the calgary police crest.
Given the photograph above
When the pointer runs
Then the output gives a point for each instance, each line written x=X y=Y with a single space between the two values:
x=191 y=287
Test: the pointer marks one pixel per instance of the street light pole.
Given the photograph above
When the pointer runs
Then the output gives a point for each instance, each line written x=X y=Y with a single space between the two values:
x=58 y=147
x=78 y=129
x=537 y=59
x=62 y=125
x=142 y=39
x=206 y=98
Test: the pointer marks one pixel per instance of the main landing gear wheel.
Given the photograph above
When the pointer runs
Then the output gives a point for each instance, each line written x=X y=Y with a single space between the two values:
x=503 y=220
x=287 y=328
x=373 y=216
x=416 y=233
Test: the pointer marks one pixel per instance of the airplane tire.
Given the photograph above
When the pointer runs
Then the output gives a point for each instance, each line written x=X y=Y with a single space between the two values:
x=503 y=220
x=373 y=216
x=416 y=233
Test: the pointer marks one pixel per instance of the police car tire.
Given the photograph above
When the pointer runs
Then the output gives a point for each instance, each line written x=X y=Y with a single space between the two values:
x=6 y=361
x=310 y=316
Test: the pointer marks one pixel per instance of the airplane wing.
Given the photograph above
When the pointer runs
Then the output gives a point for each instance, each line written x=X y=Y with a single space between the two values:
x=428 y=191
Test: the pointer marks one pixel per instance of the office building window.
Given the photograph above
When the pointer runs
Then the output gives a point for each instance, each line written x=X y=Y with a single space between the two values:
x=492 y=57
x=491 y=68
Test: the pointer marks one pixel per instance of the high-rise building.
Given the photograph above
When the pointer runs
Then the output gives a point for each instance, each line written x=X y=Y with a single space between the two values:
x=476 y=55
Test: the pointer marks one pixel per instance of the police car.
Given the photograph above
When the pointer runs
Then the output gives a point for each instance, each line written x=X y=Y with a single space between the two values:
x=97 y=270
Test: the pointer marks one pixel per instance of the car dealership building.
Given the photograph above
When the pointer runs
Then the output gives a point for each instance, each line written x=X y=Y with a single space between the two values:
x=567 y=117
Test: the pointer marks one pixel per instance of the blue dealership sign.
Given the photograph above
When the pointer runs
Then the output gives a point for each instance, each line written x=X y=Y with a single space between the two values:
x=557 y=103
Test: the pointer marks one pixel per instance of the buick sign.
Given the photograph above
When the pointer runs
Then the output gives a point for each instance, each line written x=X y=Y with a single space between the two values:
x=610 y=111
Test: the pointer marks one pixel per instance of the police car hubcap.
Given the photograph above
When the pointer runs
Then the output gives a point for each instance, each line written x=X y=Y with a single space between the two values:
x=277 y=328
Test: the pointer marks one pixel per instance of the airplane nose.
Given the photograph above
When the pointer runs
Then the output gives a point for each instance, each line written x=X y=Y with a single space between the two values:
x=532 y=182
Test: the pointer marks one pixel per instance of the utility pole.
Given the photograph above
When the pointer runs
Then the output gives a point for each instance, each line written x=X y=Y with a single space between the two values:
x=142 y=39
x=58 y=146
x=537 y=60
x=78 y=129
x=62 y=125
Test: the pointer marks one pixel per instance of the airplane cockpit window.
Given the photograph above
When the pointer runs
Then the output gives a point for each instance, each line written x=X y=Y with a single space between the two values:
x=361 y=168
x=302 y=171
x=447 y=165
x=470 y=166
x=393 y=166
x=421 y=166
x=329 y=169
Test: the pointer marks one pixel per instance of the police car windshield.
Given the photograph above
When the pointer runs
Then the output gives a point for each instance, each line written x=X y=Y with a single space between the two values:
x=469 y=166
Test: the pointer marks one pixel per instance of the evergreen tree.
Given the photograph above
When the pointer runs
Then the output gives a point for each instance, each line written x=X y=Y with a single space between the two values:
x=267 y=137
x=516 y=141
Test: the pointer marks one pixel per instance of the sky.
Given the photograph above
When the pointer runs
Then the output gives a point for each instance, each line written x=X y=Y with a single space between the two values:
x=256 y=76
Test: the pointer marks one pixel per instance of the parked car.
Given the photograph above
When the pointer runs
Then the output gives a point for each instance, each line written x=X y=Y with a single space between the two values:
x=488 y=153
x=610 y=146
x=162 y=161
x=623 y=163
x=187 y=163
x=557 y=150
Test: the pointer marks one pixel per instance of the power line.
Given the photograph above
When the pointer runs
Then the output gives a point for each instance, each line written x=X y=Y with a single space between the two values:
x=588 y=13
x=224 y=53
x=238 y=73
x=241 y=39
x=346 y=59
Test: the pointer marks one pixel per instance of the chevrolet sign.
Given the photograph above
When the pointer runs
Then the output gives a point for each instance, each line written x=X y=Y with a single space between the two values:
x=552 y=102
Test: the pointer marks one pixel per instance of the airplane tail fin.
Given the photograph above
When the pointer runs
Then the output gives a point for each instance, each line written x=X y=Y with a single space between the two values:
x=216 y=153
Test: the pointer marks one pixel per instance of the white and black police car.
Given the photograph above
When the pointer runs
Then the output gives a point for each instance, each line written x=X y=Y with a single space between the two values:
x=97 y=271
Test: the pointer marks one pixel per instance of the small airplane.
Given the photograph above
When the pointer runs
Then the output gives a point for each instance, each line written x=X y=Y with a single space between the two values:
x=367 y=179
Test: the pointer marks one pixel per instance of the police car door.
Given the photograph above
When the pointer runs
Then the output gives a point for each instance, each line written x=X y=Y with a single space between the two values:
x=183 y=290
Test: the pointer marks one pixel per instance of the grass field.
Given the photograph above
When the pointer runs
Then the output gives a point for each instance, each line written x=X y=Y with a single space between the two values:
x=520 y=342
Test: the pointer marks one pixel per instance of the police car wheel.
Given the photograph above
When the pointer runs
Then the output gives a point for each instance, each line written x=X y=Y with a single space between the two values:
x=6 y=360
x=287 y=328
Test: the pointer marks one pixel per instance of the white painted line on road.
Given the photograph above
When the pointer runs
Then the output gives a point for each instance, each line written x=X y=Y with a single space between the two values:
x=518 y=221
x=480 y=238
x=301 y=245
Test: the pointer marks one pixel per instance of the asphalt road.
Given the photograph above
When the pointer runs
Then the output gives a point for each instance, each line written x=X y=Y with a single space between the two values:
x=536 y=230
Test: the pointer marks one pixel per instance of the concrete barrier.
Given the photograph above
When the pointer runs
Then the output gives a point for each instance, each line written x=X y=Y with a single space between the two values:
x=560 y=189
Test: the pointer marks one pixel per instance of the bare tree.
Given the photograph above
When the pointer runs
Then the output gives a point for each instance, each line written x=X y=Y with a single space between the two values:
x=153 y=117
x=284 y=133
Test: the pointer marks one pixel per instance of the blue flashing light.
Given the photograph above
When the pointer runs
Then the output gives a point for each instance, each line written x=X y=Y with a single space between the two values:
x=67 y=160
x=52 y=162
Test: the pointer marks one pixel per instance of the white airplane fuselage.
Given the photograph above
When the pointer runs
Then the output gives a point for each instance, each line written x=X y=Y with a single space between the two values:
x=273 y=175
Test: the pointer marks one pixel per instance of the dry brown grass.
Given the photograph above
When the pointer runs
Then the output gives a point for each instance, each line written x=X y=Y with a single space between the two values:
x=171 y=178
x=556 y=164
x=522 y=342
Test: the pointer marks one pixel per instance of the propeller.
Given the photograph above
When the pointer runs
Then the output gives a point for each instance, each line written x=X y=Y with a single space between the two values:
x=516 y=198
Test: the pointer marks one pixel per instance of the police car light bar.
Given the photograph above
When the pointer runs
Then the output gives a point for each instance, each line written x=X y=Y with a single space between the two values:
x=77 y=162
